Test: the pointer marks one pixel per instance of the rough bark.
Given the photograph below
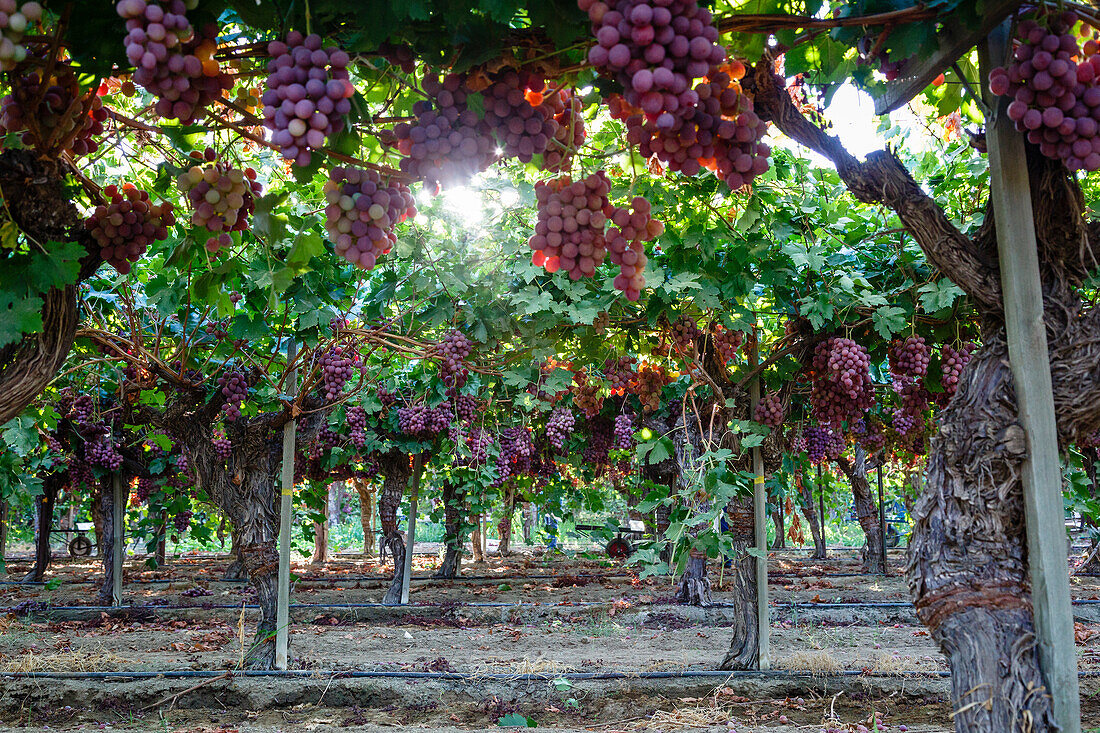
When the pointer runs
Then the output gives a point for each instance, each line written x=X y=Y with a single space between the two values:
x=866 y=510
x=396 y=470
x=320 y=543
x=744 y=651
x=504 y=526
x=162 y=540
x=809 y=511
x=34 y=193
x=454 y=509
x=43 y=524
x=477 y=545
x=694 y=586
x=236 y=569
x=366 y=514
x=780 y=540
x=106 y=502
x=527 y=512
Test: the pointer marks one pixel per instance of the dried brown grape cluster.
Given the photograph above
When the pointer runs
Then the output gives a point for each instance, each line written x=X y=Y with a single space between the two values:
x=127 y=224
x=222 y=197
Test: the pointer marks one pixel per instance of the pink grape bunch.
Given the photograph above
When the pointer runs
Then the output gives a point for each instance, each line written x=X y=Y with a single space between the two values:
x=569 y=231
x=820 y=443
x=357 y=425
x=624 y=432
x=726 y=341
x=15 y=20
x=516 y=451
x=101 y=451
x=519 y=115
x=336 y=367
x=308 y=95
x=620 y=373
x=769 y=410
x=684 y=331
x=1055 y=90
x=952 y=363
x=144 y=489
x=80 y=473
x=720 y=132
x=222 y=197
x=625 y=244
x=559 y=426
x=413 y=420
x=655 y=49
x=465 y=407
x=234 y=388
x=909 y=416
x=182 y=521
x=173 y=62
x=448 y=142
x=909 y=359
x=868 y=433
x=83 y=410
x=841 y=387
x=386 y=397
x=452 y=351
x=601 y=438
x=59 y=114
x=223 y=447
x=362 y=214
x=127 y=224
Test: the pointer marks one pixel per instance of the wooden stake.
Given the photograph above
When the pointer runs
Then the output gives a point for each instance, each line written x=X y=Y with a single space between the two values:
x=759 y=510
x=118 y=538
x=821 y=509
x=882 y=521
x=406 y=570
x=286 y=505
x=1030 y=362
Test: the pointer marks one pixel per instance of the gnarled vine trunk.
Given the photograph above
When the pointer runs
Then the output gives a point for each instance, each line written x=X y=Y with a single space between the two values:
x=504 y=526
x=744 y=651
x=809 y=511
x=236 y=569
x=477 y=546
x=106 y=502
x=454 y=509
x=43 y=524
x=396 y=472
x=780 y=540
x=866 y=510
x=366 y=513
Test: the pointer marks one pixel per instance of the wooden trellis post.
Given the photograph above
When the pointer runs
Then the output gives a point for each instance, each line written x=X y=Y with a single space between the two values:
x=1030 y=362
x=406 y=570
x=759 y=510
x=286 y=506
x=118 y=536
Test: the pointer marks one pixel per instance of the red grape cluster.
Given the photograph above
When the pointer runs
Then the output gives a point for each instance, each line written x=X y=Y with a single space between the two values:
x=519 y=114
x=182 y=521
x=57 y=115
x=126 y=226
x=516 y=451
x=223 y=447
x=624 y=432
x=336 y=370
x=478 y=442
x=600 y=440
x=684 y=331
x=720 y=132
x=820 y=443
x=182 y=464
x=308 y=94
x=80 y=473
x=952 y=363
x=101 y=451
x=869 y=434
x=222 y=198
x=726 y=341
x=452 y=351
x=569 y=232
x=769 y=410
x=1055 y=90
x=841 y=388
x=15 y=19
x=586 y=395
x=83 y=410
x=559 y=426
x=386 y=397
x=357 y=425
x=448 y=143
x=655 y=49
x=234 y=388
x=909 y=358
x=649 y=384
x=144 y=489
x=625 y=244
x=413 y=420
x=620 y=373
x=914 y=403
x=362 y=214
x=465 y=407
x=173 y=62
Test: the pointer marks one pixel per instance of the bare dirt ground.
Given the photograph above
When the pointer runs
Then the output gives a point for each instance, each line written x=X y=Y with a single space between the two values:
x=591 y=617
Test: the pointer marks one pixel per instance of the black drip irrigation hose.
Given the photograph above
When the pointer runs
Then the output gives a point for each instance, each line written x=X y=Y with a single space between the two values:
x=450 y=606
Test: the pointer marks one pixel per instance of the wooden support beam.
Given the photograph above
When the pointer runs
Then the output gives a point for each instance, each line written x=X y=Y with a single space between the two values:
x=286 y=507
x=1030 y=363
x=882 y=521
x=955 y=40
x=118 y=535
x=759 y=511
x=406 y=570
